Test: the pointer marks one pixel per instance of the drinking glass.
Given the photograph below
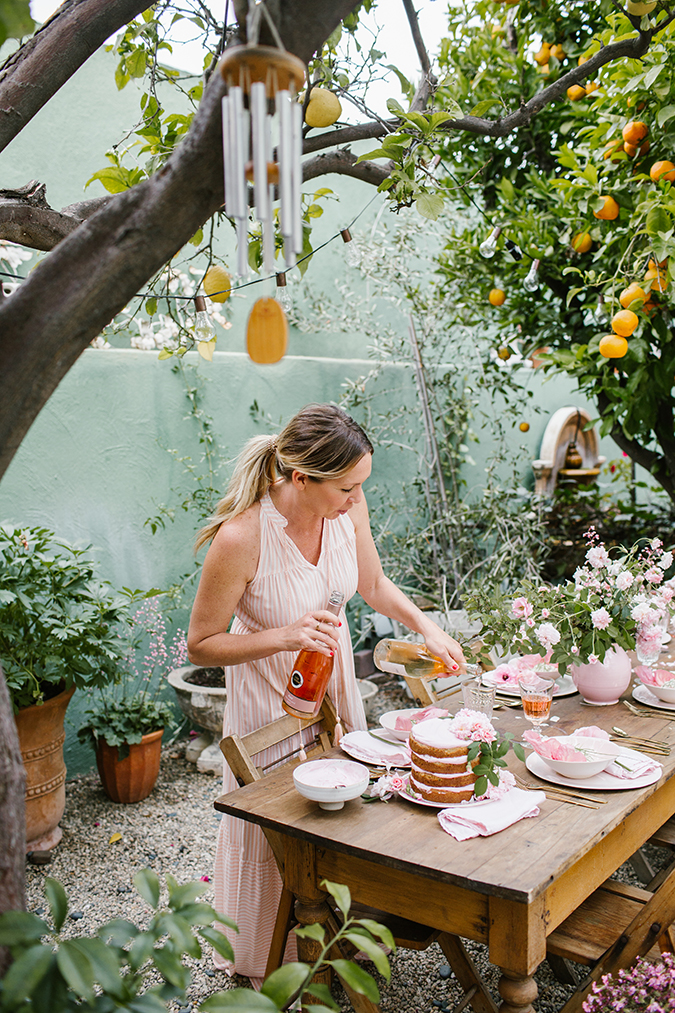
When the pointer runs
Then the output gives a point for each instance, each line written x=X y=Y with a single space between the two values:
x=477 y=697
x=536 y=698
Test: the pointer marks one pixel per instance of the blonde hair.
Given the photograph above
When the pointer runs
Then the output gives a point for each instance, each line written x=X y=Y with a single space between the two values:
x=322 y=441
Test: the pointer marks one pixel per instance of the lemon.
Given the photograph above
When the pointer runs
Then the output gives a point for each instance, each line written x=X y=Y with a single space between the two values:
x=575 y=92
x=613 y=347
x=217 y=283
x=524 y=427
x=323 y=108
x=497 y=296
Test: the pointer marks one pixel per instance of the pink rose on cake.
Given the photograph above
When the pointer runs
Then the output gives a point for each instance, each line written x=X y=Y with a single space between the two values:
x=472 y=725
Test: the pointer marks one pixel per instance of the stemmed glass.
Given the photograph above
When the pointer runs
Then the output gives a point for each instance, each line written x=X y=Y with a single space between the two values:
x=536 y=698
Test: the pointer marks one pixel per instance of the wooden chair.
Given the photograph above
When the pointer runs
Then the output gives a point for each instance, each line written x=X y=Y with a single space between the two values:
x=239 y=753
x=614 y=926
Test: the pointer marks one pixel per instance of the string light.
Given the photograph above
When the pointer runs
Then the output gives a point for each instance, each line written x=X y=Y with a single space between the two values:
x=488 y=247
x=283 y=296
x=531 y=280
x=352 y=253
x=203 y=328
x=514 y=250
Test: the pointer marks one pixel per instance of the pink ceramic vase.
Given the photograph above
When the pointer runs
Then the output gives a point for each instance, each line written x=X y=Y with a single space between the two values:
x=602 y=683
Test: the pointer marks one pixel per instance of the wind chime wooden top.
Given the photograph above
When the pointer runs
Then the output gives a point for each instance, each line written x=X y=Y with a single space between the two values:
x=276 y=68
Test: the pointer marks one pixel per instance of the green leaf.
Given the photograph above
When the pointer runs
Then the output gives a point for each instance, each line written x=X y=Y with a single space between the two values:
x=57 y=900
x=281 y=985
x=151 y=306
x=340 y=895
x=356 y=978
x=429 y=205
x=218 y=941
x=20 y=927
x=121 y=77
x=76 y=968
x=482 y=107
x=658 y=220
x=118 y=931
x=104 y=964
x=147 y=884
x=239 y=1000
x=519 y=751
x=168 y=963
x=24 y=975
x=136 y=63
x=380 y=931
x=664 y=114
x=371 y=948
x=322 y=992
x=180 y=894
x=314 y=931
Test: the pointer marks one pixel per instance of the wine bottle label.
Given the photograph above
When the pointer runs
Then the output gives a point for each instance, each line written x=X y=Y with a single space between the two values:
x=296 y=679
x=306 y=707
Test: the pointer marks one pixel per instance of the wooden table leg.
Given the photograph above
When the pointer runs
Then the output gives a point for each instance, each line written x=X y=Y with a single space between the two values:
x=518 y=993
x=310 y=905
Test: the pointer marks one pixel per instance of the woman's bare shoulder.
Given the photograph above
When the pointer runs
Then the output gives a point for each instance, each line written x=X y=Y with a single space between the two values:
x=237 y=542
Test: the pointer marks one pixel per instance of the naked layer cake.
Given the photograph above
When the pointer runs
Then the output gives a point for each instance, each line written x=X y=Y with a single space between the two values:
x=439 y=763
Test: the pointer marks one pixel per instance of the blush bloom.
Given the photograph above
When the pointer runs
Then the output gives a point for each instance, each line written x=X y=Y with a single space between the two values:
x=601 y=618
x=521 y=608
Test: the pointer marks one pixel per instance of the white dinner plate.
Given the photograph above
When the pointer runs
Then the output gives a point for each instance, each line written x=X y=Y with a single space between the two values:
x=407 y=793
x=644 y=695
x=563 y=687
x=375 y=751
x=603 y=781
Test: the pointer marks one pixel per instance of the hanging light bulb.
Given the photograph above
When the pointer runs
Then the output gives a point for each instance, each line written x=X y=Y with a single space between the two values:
x=352 y=252
x=203 y=329
x=283 y=296
x=488 y=247
x=531 y=280
x=262 y=83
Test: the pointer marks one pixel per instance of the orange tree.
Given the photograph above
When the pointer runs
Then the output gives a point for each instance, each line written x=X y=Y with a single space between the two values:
x=585 y=189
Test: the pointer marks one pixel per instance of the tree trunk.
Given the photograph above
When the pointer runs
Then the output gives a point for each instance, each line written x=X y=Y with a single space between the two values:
x=12 y=823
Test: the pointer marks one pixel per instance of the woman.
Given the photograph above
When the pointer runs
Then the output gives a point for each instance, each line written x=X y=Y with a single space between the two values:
x=292 y=527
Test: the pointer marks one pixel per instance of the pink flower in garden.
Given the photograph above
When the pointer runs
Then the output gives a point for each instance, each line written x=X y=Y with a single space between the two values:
x=574 y=649
x=667 y=593
x=547 y=635
x=593 y=659
x=598 y=557
x=521 y=608
x=601 y=618
x=504 y=673
x=624 y=580
x=656 y=543
x=545 y=613
x=654 y=575
x=205 y=879
x=529 y=622
x=643 y=613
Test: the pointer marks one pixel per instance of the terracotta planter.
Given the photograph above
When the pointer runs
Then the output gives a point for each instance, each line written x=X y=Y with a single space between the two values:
x=133 y=778
x=41 y=737
x=604 y=682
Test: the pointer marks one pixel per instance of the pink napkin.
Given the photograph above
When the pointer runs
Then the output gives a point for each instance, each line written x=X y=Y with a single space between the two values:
x=632 y=766
x=482 y=820
x=404 y=723
x=362 y=746
x=653 y=676
x=551 y=748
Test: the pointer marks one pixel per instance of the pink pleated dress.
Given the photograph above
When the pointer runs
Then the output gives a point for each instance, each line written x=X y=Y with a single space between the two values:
x=286 y=585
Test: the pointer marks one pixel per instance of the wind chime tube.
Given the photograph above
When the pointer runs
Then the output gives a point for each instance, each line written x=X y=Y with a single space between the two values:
x=237 y=136
x=296 y=175
x=227 y=155
x=268 y=222
x=283 y=105
x=259 y=126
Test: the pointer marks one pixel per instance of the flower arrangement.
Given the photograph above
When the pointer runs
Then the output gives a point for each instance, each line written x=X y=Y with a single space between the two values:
x=620 y=598
x=124 y=713
x=644 y=988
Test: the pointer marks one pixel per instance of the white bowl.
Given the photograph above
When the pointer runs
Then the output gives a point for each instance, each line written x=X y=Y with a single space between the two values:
x=603 y=749
x=665 y=693
x=388 y=722
x=368 y=691
x=331 y=782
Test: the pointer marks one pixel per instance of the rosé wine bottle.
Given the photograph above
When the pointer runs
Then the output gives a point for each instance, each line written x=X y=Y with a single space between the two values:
x=309 y=678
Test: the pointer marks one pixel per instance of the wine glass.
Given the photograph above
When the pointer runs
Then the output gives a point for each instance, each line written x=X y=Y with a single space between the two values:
x=536 y=698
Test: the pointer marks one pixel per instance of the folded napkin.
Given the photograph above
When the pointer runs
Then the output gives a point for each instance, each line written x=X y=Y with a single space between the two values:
x=491 y=817
x=654 y=676
x=632 y=766
x=364 y=747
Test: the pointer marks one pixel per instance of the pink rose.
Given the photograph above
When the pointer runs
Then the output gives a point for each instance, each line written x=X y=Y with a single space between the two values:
x=601 y=618
x=397 y=783
x=654 y=575
x=521 y=608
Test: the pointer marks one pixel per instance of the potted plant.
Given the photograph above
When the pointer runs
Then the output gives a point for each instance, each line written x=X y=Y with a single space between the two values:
x=646 y=986
x=59 y=631
x=617 y=601
x=126 y=724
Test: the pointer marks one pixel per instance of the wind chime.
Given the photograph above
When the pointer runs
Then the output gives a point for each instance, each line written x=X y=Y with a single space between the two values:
x=262 y=144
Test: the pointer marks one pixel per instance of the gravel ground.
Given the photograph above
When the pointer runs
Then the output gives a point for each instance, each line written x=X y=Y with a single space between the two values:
x=174 y=831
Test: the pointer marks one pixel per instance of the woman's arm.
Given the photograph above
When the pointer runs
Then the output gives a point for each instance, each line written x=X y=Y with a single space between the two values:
x=230 y=564
x=382 y=595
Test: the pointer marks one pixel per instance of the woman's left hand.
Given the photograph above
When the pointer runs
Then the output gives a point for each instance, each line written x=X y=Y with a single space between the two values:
x=443 y=646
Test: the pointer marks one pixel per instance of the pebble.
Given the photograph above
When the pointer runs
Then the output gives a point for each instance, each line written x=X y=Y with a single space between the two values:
x=444 y=971
x=185 y=847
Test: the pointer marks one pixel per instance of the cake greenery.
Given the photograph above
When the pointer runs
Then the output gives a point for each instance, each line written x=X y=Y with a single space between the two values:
x=491 y=759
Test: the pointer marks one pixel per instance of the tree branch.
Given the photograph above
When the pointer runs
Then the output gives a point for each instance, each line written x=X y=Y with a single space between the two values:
x=652 y=462
x=413 y=21
x=346 y=135
x=32 y=74
x=343 y=161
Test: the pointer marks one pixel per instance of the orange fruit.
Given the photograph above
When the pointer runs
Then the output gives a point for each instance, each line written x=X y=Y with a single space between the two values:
x=624 y=323
x=662 y=170
x=631 y=293
x=582 y=60
x=652 y=265
x=612 y=149
x=576 y=92
x=609 y=211
x=542 y=56
x=582 y=242
x=558 y=52
x=644 y=148
x=635 y=131
x=613 y=347
x=524 y=427
x=497 y=296
x=504 y=354
x=591 y=87
x=658 y=278
x=630 y=149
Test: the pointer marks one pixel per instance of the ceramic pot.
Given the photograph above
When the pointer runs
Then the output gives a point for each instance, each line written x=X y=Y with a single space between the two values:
x=41 y=738
x=603 y=682
x=133 y=778
x=203 y=705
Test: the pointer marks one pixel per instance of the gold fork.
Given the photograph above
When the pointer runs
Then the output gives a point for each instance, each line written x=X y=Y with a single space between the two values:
x=649 y=712
x=561 y=794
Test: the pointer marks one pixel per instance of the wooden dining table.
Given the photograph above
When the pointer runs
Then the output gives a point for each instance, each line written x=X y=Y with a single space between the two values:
x=508 y=891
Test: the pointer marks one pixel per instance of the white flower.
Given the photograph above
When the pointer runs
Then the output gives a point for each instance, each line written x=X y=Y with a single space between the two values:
x=656 y=543
x=642 y=613
x=624 y=580
x=14 y=255
x=666 y=560
x=598 y=557
x=547 y=635
x=601 y=618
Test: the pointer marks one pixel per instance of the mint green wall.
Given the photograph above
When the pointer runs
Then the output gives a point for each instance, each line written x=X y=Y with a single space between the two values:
x=95 y=464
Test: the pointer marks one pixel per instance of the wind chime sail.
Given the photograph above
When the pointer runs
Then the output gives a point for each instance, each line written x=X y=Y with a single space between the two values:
x=261 y=107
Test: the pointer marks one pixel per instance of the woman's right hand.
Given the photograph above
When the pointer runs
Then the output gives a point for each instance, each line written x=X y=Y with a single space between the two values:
x=315 y=631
